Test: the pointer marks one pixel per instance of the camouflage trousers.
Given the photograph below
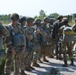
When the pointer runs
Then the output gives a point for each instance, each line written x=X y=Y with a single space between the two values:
x=8 y=64
x=36 y=54
x=14 y=62
x=19 y=62
x=47 y=49
x=67 y=47
x=28 y=59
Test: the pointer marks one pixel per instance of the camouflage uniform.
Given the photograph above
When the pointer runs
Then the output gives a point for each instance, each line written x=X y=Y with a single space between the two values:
x=23 y=20
x=30 y=45
x=18 y=57
x=67 y=42
x=3 y=34
x=46 y=35
x=37 y=53
x=57 y=24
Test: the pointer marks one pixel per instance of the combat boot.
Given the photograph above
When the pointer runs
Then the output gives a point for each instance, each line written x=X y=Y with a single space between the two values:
x=39 y=60
x=31 y=68
x=57 y=57
x=44 y=59
x=23 y=73
x=60 y=57
x=36 y=65
x=27 y=69
x=72 y=62
x=65 y=63
x=51 y=56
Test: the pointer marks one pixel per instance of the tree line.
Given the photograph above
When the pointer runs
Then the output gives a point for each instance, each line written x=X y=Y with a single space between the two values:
x=4 y=18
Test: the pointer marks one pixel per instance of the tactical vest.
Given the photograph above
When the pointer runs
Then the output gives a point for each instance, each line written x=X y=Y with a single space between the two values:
x=68 y=34
x=18 y=39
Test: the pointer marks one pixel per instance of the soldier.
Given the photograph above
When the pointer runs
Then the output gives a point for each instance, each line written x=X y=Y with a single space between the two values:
x=57 y=24
x=51 y=21
x=22 y=20
x=67 y=32
x=74 y=26
x=16 y=47
x=30 y=45
x=46 y=35
x=37 y=53
x=74 y=29
x=3 y=35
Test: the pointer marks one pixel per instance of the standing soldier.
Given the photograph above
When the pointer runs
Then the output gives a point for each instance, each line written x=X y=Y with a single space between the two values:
x=46 y=35
x=57 y=24
x=3 y=35
x=16 y=47
x=30 y=45
x=38 y=42
x=51 y=21
x=67 y=32
x=23 y=21
x=74 y=29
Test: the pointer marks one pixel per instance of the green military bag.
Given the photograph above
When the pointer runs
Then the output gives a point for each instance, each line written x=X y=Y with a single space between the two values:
x=68 y=34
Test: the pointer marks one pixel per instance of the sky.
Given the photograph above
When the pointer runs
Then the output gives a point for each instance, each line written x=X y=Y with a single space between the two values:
x=32 y=7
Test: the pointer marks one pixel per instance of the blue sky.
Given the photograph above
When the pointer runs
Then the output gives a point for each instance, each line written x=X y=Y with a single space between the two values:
x=32 y=7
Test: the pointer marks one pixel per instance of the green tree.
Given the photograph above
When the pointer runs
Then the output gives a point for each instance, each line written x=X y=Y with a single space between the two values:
x=42 y=14
x=54 y=15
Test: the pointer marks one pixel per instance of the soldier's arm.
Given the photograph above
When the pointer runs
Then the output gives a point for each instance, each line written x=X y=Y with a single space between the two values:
x=74 y=28
x=60 y=30
x=8 y=38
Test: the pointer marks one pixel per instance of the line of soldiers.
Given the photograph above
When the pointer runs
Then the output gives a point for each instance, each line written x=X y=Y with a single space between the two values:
x=28 y=40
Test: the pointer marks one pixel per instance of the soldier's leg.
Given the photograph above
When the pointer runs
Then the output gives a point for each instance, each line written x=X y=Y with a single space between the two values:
x=43 y=49
x=29 y=61
x=60 y=51
x=35 y=57
x=70 y=52
x=17 y=64
x=56 y=52
x=8 y=64
x=40 y=55
x=64 y=55
x=22 y=67
x=51 y=53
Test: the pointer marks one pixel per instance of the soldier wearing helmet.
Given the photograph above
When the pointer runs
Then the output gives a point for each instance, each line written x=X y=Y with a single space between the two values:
x=67 y=32
x=16 y=48
x=29 y=33
x=37 y=21
x=38 y=32
x=45 y=35
x=57 y=24
x=3 y=35
x=22 y=20
x=74 y=26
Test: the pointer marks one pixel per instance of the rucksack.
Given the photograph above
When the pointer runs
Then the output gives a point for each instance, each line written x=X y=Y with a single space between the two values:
x=68 y=34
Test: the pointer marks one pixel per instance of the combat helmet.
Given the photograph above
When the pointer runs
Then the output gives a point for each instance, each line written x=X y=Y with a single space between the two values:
x=65 y=20
x=37 y=20
x=30 y=19
x=22 y=19
x=14 y=16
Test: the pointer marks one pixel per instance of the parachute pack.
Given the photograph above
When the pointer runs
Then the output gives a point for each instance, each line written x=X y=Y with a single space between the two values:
x=68 y=34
